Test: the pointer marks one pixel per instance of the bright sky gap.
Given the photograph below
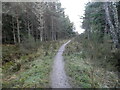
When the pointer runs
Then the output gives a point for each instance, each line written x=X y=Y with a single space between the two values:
x=75 y=10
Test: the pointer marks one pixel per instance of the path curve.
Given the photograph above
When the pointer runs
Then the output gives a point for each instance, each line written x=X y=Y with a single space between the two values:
x=58 y=76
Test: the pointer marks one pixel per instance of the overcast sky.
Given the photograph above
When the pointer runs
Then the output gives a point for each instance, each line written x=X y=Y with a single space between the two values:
x=75 y=9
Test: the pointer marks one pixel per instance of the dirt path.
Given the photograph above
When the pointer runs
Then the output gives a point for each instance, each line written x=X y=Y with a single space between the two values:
x=58 y=76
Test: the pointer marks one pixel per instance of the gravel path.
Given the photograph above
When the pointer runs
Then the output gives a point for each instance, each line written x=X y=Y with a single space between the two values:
x=58 y=76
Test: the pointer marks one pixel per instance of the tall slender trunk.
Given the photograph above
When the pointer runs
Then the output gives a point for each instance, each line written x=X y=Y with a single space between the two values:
x=14 y=36
x=112 y=28
x=115 y=12
x=42 y=27
x=45 y=34
x=55 y=36
x=18 y=29
x=117 y=24
x=55 y=33
x=32 y=30
x=52 y=29
x=28 y=29
x=41 y=35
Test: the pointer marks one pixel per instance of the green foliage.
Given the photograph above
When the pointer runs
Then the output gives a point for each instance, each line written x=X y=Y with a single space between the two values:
x=28 y=45
x=10 y=53
x=94 y=21
x=31 y=70
x=88 y=67
x=99 y=53
x=97 y=34
x=22 y=19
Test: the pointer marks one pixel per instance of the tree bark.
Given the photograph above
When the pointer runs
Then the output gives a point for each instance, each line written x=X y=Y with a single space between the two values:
x=28 y=29
x=112 y=28
x=52 y=29
x=114 y=8
x=18 y=29
x=14 y=35
x=117 y=27
x=41 y=35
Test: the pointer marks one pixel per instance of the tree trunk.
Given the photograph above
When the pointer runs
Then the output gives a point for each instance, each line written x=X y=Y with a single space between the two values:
x=32 y=30
x=41 y=35
x=14 y=31
x=112 y=28
x=55 y=36
x=52 y=29
x=115 y=12
x=18 y=29
x=28 y=29
x=117 y=27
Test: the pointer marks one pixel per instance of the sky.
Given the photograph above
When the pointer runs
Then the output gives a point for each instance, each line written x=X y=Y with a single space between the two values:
x=75 y=10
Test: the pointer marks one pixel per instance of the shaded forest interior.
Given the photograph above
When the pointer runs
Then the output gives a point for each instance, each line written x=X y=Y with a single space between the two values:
x=27 y=25
x=93 y=58
x=40 y=21
x=32 y=32
x=102 y=25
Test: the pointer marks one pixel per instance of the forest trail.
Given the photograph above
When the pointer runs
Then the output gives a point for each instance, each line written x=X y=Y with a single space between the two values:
x=58 y=75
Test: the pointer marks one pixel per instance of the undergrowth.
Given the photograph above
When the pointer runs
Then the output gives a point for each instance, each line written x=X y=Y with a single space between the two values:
x=84 y=72
x=31 y=70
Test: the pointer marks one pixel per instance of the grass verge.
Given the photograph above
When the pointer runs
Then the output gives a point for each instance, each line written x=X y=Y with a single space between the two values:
x=34 y=68
x=83 y=72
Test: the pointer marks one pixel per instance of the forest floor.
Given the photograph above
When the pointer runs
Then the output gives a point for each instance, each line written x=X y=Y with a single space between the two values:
x=58 y=75
x=83 y=72
x=35 y=68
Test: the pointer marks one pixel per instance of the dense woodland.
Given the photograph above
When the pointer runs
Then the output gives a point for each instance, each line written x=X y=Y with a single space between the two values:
x=102 y=32
x=92 y=59
x=38 y=20
x=32 y=32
